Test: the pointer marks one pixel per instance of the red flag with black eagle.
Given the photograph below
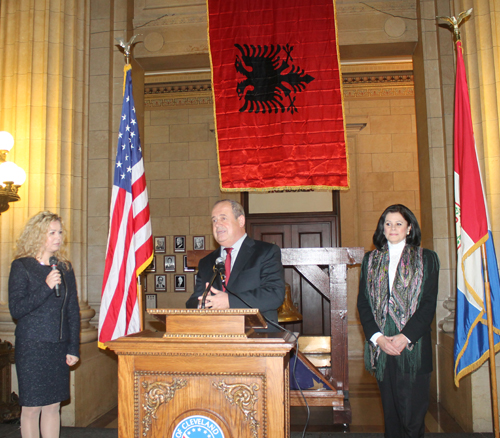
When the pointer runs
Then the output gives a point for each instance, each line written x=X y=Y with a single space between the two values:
x=277 y=95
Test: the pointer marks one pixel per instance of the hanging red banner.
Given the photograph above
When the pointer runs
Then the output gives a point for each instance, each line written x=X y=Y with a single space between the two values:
x=277 y=95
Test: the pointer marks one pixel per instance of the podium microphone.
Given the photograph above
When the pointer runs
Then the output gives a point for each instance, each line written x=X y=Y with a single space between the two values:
x=53 y=264
x=219 y=268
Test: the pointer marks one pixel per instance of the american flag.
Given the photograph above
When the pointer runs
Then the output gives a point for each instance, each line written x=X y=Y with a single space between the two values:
x=130 y=242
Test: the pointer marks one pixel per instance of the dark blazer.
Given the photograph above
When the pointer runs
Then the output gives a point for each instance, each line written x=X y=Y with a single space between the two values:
x=418 y=327
x=257 y=277
x=39 y=313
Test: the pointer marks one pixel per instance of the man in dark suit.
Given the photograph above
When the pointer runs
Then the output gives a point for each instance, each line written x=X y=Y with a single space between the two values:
x=253 y=267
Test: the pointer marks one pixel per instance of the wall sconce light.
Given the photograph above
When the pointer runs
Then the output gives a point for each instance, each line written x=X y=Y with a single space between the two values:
x=11 y=175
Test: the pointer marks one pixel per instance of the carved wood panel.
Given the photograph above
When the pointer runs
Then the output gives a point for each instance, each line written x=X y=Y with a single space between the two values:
x=241 y=396
x=169 y=384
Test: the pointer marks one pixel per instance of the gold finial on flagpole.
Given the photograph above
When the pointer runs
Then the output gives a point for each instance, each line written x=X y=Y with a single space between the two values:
x=456 y=22
x=126 y=47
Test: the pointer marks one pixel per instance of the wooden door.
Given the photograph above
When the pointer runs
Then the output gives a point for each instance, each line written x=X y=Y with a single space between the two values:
x=300 y=231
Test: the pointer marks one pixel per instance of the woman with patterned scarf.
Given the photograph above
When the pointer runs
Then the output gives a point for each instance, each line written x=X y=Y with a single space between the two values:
x=396 y=302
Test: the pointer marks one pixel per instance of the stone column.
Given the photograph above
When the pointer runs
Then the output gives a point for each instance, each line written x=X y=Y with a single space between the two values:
x=433 y=67
x=44 y=88
x=44 y=93
x=434 y=80
x=110 y=20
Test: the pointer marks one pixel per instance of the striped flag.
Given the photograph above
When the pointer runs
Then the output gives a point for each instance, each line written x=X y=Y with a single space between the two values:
x=473 y=230
x=130 y=242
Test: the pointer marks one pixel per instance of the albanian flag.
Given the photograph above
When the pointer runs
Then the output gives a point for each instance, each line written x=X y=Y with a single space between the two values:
x=277 y=95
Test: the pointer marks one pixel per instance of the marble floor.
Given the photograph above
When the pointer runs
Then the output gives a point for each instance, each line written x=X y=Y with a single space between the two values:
x=365 y=404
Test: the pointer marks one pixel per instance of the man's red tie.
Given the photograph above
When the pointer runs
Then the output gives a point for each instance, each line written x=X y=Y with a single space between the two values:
x=228 y=263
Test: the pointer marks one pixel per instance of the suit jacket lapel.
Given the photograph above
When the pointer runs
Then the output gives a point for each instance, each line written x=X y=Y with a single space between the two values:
x=245 y=252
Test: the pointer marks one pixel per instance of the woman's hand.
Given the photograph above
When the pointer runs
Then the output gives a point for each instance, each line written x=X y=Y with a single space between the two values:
x=399 y=341
x=53 y=278
x=387 y=345
x=71 y=360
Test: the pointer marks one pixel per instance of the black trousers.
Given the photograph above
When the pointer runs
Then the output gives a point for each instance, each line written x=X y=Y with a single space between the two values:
x=405 y=403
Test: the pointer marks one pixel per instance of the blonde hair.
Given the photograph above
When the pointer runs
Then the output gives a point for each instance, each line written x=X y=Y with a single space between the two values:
x=34 y=236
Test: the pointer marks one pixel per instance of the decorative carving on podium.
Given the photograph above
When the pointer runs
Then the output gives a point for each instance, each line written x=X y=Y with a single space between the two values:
x=204 y=354
x=187 y=335
x=243 y=396
x=156 y=394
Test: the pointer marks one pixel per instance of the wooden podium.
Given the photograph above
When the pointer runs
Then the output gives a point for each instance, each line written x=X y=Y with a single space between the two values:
x=209 y=370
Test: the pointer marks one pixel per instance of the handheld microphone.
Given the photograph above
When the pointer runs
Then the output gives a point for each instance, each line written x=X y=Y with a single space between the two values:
x=220 y=265
x=53 y=264
x=219 y=268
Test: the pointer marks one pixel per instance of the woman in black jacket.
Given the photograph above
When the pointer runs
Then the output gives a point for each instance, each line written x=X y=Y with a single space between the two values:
x=398 y=291
x=43 y=299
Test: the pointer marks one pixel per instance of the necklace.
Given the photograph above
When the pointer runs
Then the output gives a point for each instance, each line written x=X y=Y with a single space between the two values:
x=39 y=260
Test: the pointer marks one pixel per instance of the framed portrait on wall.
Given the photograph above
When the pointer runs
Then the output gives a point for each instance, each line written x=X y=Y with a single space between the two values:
x=179 y=243
x=160 y=283
x=152 y=266
x=160 y=244
x=151 y=302
x=199 y=242
x=186 y=267
x=169 y=263
x=180 y=283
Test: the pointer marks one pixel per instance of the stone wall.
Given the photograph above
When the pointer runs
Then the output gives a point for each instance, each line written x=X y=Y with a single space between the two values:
x=182 y=177
x=182 y=173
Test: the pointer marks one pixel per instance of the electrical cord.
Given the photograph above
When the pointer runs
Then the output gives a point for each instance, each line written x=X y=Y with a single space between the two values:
x=295 y=347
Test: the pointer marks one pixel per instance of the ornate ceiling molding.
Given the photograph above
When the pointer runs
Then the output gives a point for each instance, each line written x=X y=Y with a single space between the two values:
x=377 y=78
x=189 y=93
x=378 y=92
x=394 y=6
x=378 y=85
x=169 y=19
x=174 y=94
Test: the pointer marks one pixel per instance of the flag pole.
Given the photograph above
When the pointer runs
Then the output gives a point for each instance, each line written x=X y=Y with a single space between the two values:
x=489 y=315
x=141 y=306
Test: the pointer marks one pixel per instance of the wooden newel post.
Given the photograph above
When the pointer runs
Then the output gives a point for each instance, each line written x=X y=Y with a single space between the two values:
x=333 y=286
